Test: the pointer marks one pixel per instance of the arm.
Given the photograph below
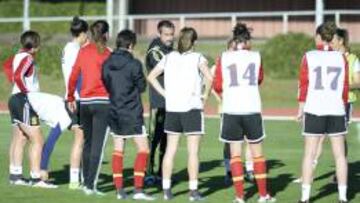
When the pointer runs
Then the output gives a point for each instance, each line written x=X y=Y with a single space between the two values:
x=72 y=83
x=356 y=75
x=218 y=80
x=158 y=70
x=216 y=95
x=345 y=95
x=7 y=67
x=105 y=76
x=303 y=87
x=25 y=67
x=139 y=77
x=204 y=69
x=261 y=75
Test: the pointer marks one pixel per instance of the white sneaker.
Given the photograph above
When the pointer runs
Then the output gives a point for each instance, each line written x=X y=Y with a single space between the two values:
x=238 y=200
x=142 y=196
x=44 y=184
x=22 y=182
x=87 y=191
x=267 y=198
x=98 y=193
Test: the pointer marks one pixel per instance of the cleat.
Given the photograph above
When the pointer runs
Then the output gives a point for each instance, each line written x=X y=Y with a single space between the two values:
x=141 y=195
x=121 y=194
x=168 y=194
x=43 y=184
x=267 y=198
x=195 y=196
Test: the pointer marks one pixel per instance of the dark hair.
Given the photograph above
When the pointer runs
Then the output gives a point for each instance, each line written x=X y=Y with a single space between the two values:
x=344 y=35
x=98 y=33
x=125 y=38
x=326 y=31
x=187 y=38
x=165 y=23
x=241 y=33
x=78 y=26
x=30 y=39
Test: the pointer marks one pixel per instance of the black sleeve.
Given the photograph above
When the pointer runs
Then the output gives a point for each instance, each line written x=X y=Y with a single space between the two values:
x=105 y=76
x=138 y=76
x=153 y=57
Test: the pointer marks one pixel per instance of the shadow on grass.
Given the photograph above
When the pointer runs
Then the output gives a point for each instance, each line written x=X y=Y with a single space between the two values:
x=207 y=184
x=330 y=188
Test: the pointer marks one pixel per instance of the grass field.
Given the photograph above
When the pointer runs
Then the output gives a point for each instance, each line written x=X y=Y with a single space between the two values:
x=283 y=148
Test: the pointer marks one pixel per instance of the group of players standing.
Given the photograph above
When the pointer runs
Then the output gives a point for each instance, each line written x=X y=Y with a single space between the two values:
x=104 y=86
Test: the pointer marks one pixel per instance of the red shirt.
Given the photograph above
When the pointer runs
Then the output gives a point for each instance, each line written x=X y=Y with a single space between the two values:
x=89 y=64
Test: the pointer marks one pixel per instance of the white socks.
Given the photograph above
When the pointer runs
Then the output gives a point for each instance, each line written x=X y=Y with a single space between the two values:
x=305 y=192
x=35 y=175
x=342 y=192
x=74 y=175
x=15 y=170
x=166 y=184
x=193 y=184
x=249 y=166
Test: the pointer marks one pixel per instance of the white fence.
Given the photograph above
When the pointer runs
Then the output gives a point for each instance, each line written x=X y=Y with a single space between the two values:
x=232 y=16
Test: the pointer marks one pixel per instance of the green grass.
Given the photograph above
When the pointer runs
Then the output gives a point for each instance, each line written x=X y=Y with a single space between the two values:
x=283 y=148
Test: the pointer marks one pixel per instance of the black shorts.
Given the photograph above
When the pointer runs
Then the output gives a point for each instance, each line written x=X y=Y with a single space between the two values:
x=189 y=123
x=320 y=125
x=21 y=111
x=236 y=128
x=126 y=124
x=75 y=116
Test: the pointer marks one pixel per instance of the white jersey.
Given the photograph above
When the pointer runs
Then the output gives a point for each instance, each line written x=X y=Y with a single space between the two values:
x=240 y=75
x=182 y=80
x=326 y=76
x=68 y=59
x=24 y=66
x=50 y=108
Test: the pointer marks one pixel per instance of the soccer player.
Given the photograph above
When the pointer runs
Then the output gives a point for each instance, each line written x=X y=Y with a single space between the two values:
x=124 y=79
x=184 y=105
x=323 y=94
x=50 y=109
x=158 y=48
x=237 y=77
x=26 y=125
x=78 y=29
x=231 y=46
x=94 y=102
x=340 y=43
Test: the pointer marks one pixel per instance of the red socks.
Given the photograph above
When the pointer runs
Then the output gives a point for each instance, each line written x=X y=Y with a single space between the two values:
x=237 y=176
x=139 y=169
x=117 y=168
x=260 y=175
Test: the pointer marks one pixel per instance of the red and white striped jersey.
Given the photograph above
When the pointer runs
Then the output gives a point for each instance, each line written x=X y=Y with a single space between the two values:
x=24 y=74
x=237 y=76
x=323 y=82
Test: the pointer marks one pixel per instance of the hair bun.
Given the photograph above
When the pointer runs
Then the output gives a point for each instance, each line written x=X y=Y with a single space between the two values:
x=75 y=20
